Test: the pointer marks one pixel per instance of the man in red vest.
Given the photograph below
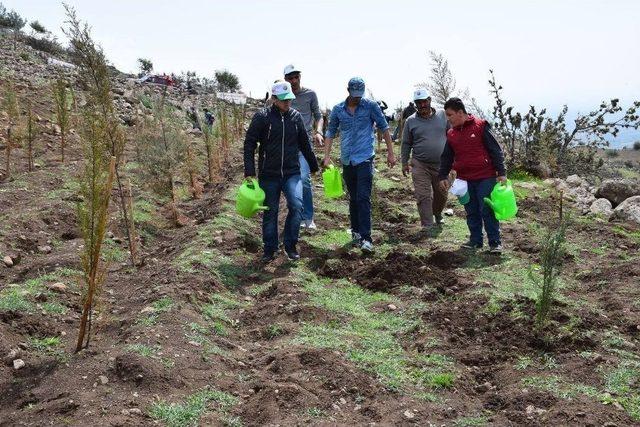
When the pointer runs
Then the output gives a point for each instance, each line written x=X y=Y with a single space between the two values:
x=473 y=152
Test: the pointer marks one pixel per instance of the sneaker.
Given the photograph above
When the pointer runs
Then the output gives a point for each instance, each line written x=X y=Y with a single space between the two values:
x=471 y=245
x=303 y=224
x=268 y=257
x=366 y=246
x=310 y=225
x=292 y=254
x=439 y=220
x=495 y=249
x=356 y=239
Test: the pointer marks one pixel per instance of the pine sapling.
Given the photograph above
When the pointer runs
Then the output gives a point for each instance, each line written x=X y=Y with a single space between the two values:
x=30 y=135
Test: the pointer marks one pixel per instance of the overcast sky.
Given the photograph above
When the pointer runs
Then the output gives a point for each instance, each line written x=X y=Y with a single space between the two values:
x=546 y=53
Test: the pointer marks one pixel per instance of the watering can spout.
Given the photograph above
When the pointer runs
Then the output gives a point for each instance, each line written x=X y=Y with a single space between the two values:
x=489 y=202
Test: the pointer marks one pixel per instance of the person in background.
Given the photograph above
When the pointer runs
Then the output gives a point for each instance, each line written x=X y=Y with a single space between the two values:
x=306 y=103
x=406 y=112
x=473 y=152
x=423 y=139
x=354 y=118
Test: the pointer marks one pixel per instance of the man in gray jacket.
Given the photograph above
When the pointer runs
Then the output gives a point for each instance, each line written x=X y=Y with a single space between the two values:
x=423 y=138
x=306 y=103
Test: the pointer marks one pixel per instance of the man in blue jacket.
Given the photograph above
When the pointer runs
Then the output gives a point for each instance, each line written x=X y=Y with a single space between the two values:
x=279 y=134
x=355 y=117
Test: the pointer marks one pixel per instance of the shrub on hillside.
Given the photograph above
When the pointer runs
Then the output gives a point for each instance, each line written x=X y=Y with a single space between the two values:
x=44 y=44
x=636 y=145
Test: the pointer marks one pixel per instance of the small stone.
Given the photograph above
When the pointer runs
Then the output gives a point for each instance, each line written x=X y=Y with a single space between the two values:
x=18 y=364
x=409 y=415
x=483 y=388
x=609 y=424
x=58 y=287
x=125 y=412
x=618 y=406
x=8 y=261
x=343 y=401
x=357 y=408
x=448 y=212
x=194 y=343
x=532 y=410
x=135 y=411
x=103 y=379
x=392 y=307
x=45 y=249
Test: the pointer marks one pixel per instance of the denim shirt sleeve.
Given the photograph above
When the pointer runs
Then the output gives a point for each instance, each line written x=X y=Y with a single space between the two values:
x=334 y=122
x=378 y=117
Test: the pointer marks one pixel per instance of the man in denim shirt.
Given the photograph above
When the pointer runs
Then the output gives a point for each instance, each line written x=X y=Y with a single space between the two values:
x=355 y=117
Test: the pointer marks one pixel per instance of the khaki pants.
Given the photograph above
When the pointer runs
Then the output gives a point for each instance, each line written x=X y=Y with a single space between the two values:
x=429 y=198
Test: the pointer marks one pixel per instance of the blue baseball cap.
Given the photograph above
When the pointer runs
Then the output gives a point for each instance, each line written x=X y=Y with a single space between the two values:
x=356 y=87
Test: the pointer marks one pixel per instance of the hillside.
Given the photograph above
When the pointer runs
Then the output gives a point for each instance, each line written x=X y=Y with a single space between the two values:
x=420 y=333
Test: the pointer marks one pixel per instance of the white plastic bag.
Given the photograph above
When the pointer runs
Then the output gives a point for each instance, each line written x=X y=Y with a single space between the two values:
x=459 y=187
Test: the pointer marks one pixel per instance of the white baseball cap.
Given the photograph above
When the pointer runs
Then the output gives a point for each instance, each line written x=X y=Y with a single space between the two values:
x=282 y=90
x=291 y=69
x=420 y=93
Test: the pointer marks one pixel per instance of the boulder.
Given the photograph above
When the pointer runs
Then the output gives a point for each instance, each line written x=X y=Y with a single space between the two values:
x=574 y=181
x=618 y=190
x=628 y=210
x=601 y=207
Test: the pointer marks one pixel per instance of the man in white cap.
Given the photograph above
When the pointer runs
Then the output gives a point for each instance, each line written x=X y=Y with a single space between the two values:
x=279 y=134
x=306 y=103
x=423 y=139
x=354 y=118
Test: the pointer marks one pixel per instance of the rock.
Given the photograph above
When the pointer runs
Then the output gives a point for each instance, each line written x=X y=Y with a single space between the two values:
x=601 y=207
x=12 y=355
x=483 y=388
x=135 y=411
x=448 y=212
x=628 y=210
x=7 y=261
x=392 y=307
x=45 y=249
x=18 y=364
x=609 y=424
x=409 y=415
x=103 y=379
x=58 y=287
x=532 y=410
x=618 y=190
x=574 y=181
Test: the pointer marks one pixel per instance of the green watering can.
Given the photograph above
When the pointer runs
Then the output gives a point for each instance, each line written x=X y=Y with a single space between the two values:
x=332 y=182
x=250 y=198
x=503 y=201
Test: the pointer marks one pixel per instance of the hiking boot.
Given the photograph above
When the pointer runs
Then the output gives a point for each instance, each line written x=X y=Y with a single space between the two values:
x=268 y=257
x=471 y=245
x=439 y=220
x=292 y=254
x=366 y=246
x=356 y=239
x=495 y=249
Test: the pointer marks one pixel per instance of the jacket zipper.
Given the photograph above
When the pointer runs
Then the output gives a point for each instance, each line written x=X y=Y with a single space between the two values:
x=282 y=155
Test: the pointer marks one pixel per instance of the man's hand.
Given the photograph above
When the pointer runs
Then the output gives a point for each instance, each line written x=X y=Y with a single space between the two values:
x=502 y=179
x=406 y=169
x=318 y=139
x=391 y=159
x=326 y=162
x=444 y=185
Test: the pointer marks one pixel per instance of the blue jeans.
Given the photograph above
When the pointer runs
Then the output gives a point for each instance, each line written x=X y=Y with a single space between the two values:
x=291 y=186
x=479 y=213
x=359 y=180
x=307 y=191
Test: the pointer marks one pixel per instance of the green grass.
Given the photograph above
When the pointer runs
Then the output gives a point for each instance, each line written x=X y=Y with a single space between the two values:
x=471 y=421
x=163 y=304
x=329 y=239
x=54 y=308
x=188 y=412
x=44 y=344
x=112 y=252
x=316 y=412
x=369 y=338
x=143 y=211
x=143 y=350
x=622 y=383
x=19 y=297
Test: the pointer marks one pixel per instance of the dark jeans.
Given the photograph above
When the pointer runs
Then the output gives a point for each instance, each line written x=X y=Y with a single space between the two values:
x=291 y=186
x=479 y=213
x=359 y=180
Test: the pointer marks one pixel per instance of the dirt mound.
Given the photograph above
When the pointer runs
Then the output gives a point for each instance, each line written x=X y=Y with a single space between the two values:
x=293 y=381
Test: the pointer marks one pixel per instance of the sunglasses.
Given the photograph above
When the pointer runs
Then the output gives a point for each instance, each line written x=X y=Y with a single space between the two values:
x=292 y=77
